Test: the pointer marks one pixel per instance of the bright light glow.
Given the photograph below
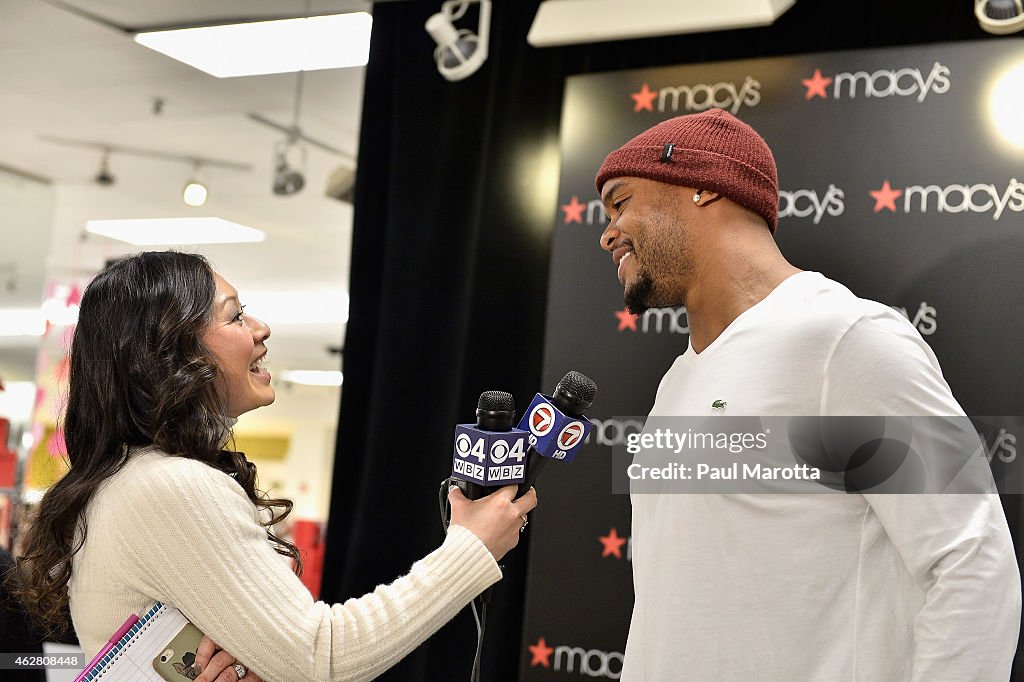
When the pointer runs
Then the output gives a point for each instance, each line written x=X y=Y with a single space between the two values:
x=27 y=440
x=17 y=401
x=166 y=231
x=1006 y=106
x=316 y=306
x=32 y=495
x=22 y=322
x=261 y=47
x=194 y=194
x=313 y=377
x=58 y=312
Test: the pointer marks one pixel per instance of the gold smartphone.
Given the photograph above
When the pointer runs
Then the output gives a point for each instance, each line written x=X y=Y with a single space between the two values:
x=177 y=662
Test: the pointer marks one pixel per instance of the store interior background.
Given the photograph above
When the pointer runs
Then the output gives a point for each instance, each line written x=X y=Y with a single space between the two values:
x=454 y=209
x=66 y=74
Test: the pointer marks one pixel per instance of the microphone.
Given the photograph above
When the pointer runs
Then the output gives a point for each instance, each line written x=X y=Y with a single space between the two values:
x=499 y=452
x=490 y=453
x=556 y=424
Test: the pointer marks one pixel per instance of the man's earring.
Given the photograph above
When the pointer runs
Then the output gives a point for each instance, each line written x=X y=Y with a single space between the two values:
x=696 y=197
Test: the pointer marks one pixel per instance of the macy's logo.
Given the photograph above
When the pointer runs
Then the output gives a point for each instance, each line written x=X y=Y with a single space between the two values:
x=699 y=97
x=805 y=203
x=654 y=321
x=592 y=663
x=904 y=82
x=1002 y=445
x=800 y=203
x=925 y=319
x=572 y=212
x=977 y=198
x=613 y=431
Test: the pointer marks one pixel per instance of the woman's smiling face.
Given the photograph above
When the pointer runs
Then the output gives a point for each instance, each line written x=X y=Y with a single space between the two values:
x=236 y=341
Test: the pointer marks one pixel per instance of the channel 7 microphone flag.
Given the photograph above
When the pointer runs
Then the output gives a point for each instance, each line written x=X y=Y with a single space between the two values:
x=556 y=424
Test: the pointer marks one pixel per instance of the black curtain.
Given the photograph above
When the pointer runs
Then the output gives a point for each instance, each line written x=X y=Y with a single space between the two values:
x=456 y=198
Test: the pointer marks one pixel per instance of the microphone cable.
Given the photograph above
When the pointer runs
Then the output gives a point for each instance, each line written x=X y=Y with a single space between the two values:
x=480 y=617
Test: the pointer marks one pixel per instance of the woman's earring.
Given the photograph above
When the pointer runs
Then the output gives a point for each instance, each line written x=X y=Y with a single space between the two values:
x=696 y=197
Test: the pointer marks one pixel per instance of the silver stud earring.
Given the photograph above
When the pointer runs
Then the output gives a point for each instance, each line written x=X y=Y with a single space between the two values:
x=696 y=198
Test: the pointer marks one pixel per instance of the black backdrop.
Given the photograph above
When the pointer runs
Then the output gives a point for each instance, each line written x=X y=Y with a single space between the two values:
x=452 y=238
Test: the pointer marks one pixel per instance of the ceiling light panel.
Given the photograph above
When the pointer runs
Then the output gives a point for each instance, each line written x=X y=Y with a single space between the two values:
x=262 y=47
x=169 y=231
x=309 y=377
x=316 y=306
x=22 y=322
x=568 y=22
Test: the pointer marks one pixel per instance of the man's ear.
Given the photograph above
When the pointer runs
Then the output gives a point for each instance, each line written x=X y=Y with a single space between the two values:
x=703 y=197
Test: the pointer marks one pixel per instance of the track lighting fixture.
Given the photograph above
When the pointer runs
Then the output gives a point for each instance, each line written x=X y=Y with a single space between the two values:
x=459 y=53
x=195 y=191
x=1000 y=16
x=104 y=178
x=287 y=180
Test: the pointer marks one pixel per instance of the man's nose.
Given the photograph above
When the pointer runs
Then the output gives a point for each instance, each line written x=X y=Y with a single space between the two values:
x=609 y=237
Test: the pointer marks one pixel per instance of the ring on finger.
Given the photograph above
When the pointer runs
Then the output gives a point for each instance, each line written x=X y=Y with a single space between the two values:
x=240 y=670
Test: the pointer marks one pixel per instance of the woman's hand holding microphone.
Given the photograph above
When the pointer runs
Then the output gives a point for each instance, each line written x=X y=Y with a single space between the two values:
x=496 y=519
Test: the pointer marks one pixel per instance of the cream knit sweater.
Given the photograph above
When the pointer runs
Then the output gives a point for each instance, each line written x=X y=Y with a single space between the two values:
x=178 y=531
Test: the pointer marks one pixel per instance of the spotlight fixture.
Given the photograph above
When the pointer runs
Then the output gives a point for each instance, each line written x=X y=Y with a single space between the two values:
x=287 y=180
x=1000 y=16
x=194 y=189
x=104 y=178
x=459 y=53
x=341 y=184
x=195 y=192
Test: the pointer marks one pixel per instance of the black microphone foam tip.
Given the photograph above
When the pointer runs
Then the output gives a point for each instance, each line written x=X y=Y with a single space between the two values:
x=496 y=401
x=578 y=389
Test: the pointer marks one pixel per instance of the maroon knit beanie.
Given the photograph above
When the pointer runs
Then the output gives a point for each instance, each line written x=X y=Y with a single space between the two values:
x=712 y=150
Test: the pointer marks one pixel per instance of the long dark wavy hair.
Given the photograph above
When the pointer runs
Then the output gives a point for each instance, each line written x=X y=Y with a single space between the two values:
x=140 y=375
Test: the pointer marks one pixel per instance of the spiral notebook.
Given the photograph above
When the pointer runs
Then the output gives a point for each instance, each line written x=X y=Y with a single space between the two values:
x=132 y=657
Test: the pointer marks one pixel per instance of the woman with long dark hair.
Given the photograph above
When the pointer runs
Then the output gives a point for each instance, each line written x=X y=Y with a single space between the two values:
x=154 y=508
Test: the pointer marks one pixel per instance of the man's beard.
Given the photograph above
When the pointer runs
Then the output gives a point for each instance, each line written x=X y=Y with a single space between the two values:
x=638 y=295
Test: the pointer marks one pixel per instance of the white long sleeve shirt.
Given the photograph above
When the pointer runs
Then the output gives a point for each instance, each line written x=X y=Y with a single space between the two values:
x=818 y=587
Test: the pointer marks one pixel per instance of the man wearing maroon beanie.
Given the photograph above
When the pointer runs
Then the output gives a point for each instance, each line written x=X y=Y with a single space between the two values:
x=797 y=586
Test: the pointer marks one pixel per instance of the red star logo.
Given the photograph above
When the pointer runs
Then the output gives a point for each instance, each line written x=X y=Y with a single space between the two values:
x=541 y=653
x=644 y=99
x=573 y=211
x=886 y=197
x=816 y=85
x=627 y=320
x=612 y=544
